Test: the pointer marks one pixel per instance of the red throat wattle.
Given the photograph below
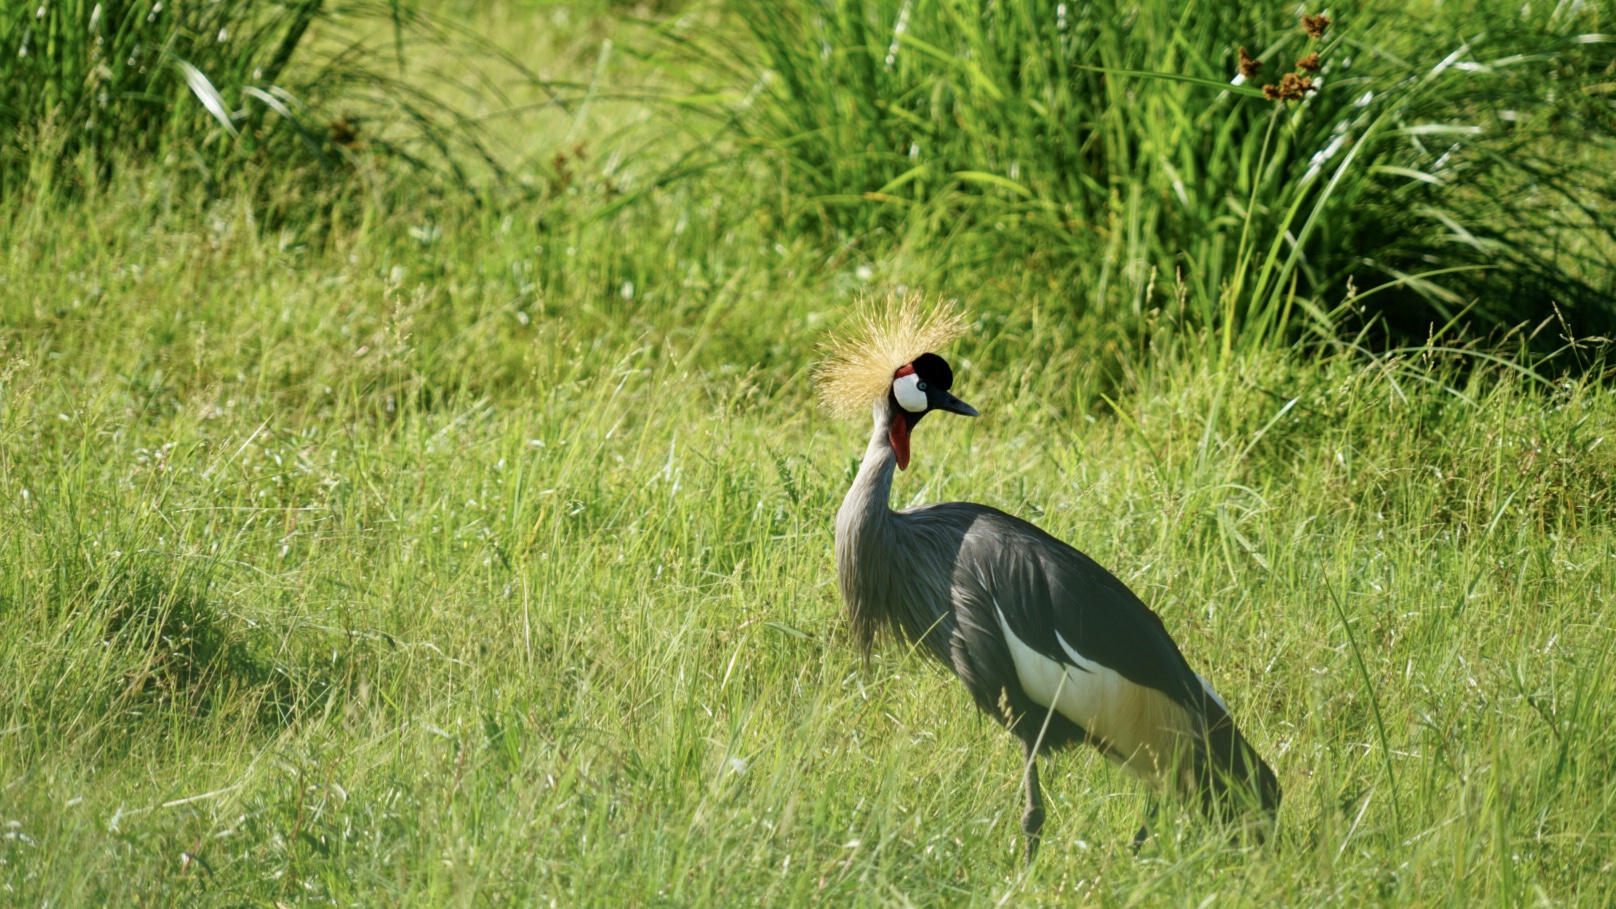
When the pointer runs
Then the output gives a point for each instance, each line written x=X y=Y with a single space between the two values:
x=898 y=435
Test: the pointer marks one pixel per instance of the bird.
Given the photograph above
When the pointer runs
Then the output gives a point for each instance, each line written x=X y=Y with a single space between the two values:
x=1048 y=642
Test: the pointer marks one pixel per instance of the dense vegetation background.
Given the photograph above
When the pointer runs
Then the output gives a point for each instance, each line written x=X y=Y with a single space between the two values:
x=411 y=492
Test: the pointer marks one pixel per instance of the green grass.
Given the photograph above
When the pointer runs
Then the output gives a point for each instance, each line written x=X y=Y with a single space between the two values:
x=1456 y=155
x=440 y=553
x=304 y=98
x=446 y=588
x=96 y=79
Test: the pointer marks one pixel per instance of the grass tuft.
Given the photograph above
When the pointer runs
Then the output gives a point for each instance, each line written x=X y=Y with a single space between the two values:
x=296 y=100
x=1457 y=162
x=419 y=548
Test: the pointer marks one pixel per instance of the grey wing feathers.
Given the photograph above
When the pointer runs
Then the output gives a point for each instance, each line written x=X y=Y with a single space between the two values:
x=1054 y=597
x=1086 y=652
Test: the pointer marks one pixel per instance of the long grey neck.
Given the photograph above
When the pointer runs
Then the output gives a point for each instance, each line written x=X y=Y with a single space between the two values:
x=875 y=564
x=866 y=516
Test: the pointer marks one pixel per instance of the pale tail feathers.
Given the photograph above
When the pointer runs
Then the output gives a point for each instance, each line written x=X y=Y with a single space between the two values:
x=1234 y=779
x=1148 y=733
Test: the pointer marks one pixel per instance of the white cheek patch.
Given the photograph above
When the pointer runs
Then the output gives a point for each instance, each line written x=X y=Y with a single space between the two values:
x=907 y=390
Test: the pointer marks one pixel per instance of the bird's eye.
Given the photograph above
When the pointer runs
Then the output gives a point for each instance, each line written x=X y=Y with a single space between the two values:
x=920 y=386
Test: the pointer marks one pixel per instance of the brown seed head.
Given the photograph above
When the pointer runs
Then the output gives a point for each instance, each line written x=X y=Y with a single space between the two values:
x=1293 y=87
x=1316 y=25
x=1309 y=63
x=343 y=131
x=1248 y=64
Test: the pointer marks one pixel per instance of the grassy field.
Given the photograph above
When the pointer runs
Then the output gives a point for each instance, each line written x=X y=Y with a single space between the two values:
x=458 y=552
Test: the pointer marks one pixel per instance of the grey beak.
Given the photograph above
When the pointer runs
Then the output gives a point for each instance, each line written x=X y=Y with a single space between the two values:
x=954 y=405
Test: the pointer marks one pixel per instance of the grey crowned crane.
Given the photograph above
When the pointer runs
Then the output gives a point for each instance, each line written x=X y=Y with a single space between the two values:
x=1047 y=641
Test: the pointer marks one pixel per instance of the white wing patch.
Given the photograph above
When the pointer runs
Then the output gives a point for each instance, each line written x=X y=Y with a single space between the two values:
x=1072 y=654
x=1141 y=728
x=1210 y=693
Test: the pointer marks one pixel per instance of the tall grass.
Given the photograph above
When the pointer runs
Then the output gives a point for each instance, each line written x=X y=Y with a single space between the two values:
x=1456 y=157
x=480 y=554
x=416 y=573
x=275 y=91
x=132 y=76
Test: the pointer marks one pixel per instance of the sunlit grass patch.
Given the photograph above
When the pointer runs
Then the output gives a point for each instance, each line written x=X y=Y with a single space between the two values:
x=439 y=552
x=565 y=626
x=1452 y=157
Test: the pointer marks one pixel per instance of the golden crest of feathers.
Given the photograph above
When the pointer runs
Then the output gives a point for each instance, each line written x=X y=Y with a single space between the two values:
x=857 y=367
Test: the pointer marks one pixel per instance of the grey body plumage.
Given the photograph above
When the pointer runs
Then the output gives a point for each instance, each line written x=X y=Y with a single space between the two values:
x=1046 y=641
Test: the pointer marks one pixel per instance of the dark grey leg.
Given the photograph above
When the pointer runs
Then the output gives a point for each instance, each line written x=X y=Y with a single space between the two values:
x=1144 y=829
x=1033 y=821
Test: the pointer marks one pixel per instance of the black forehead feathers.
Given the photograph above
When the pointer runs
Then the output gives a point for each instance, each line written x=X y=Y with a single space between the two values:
x=934 y=371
